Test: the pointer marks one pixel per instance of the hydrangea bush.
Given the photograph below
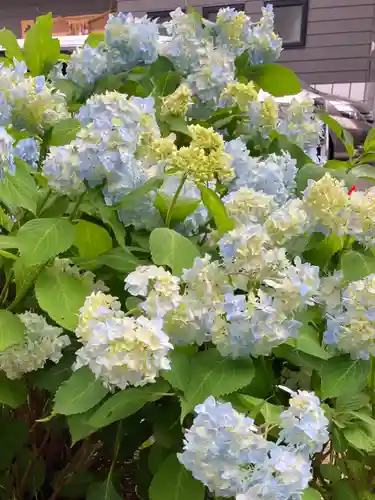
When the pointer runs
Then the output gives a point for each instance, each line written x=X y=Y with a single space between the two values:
x=187 y=283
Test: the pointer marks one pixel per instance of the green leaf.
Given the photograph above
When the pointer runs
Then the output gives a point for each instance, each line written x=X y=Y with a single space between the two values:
x=94 y=39
x=64 y=132
x=298 y=358
x=211 y=374
x=364 y=172
x=127 y=402
x=24 y=277
x=103 y=491
x=337 y=164
x=9 y=42
x=70 y=89
x=33 y=468
x=172 y=249
x=275 y=79
x=91 y=240
x=308 y=341
x=314 y=172
x=177 y=124
x=120 y=259
x=352 y=402
x=270 y=412
x=173 y=482
x=61 y=295
x=79 y=393
x=216 y=209
x=182 y=209
x=12 y=330
x=167 y=83
x=343 y=135
x=311 y=494
x=19 y=190
x=356 y=266
x=41 y=51
x=13 y=436
x=42 y=239
x=161 y=66
x=360 y=436
x=107 y=215
x=341 y=375
x=53 y=375
x=79 y=427
x=13 y=393
x=330 y=472
x=179 y=374
x=322 y=251
x=137 y=195
x=369 y=145
x=8 y=242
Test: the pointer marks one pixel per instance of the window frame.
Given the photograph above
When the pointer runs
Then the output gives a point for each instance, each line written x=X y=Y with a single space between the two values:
x=214 y=9
x=304 y=20
x=154 y=14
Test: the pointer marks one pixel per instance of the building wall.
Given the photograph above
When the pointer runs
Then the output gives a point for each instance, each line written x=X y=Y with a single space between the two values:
x=12 y=12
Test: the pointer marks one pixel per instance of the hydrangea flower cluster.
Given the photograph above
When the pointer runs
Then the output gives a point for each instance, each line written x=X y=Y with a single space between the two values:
x=227 y=452
x=7 y=164
x=28 y=151
x=350 y=326
x=42 y=342
x=29 y=103
x=120 y=350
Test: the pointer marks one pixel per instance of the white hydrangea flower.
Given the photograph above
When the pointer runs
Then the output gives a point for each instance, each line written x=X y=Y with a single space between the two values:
x=287 y=222
x=42 y=342
x=97 y=307
x=330 y=292
x=247 y=205
x=87 y=64
x=296 y=286
x=160 y=287
x=362 y=216
x=304 y=424
x=62 y=168
x=327 y=204
x=123 y=351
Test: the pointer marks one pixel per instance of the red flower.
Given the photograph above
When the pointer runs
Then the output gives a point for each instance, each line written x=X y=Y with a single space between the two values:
x=352 y=189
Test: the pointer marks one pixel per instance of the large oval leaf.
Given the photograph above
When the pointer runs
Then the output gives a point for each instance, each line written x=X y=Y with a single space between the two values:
x=12 y=330
x=61 y=295
x=19 y=190
x=42 y=239
x=91 y=240
x=172 y=249
x=173 y=482
x=341 y=375
x=79 y=393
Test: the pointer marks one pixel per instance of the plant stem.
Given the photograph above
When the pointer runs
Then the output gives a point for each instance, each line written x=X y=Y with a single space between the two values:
x=4 y=291
x=174 y=201
x=76 y=206
x=373 y=386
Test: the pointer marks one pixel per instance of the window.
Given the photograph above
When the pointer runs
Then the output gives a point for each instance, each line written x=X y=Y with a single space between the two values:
x=162 y=16
x=209 y=13
x=291 y=21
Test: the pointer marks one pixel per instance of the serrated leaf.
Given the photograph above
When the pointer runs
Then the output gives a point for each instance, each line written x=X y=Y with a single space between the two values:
x=91 y=240
x=275 y=79
x=127 y=402
x=12 y=330
x=356 y=266
x=64 y=132
x=311 y=494
x=61 y=295
x=179 y=374
x=172 y=249
x=79 y=393
x=13 y=393
x=341 y=375
x=41 y=51
x=308 y=341
x=42 y=239
x=173 y=482
x=103 y=491
x=138 y=194
x=216 y=209
x=360 y=437
x=9 y=42
x=19 y=190
x=211 y=374
x=120 y=259
x=79 y=427
x=52 y=376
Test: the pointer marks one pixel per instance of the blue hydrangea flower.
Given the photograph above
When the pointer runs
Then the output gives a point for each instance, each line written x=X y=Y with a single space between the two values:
x=87 y=64
x=28 y=151
x=304 y=424
x=7 y=164
x=131 y=41
x=222 y=447
x=264 y=45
